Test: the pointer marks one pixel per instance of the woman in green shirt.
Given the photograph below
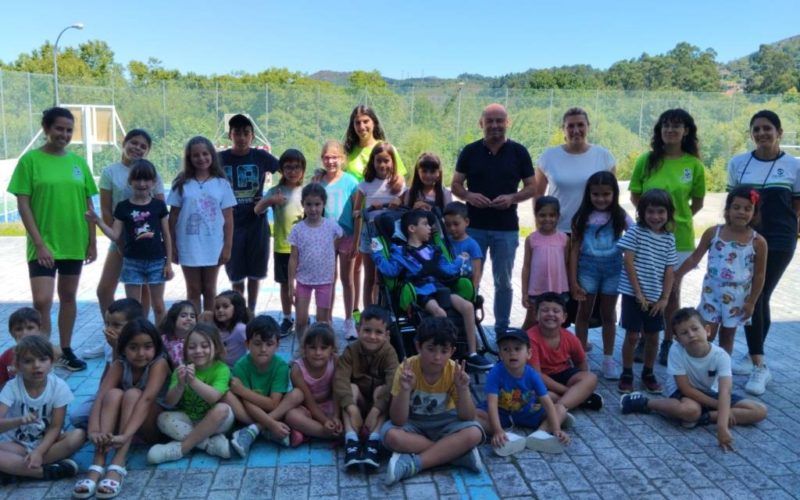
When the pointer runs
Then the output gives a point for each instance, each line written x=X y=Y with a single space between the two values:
x=54 y=188
x=673 y=164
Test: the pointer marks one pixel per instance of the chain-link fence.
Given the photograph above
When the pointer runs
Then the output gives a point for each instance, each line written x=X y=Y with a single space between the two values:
x=439 y=118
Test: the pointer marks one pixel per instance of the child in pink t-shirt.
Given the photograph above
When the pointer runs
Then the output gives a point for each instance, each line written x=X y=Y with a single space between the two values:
x=318 y=416
x=312 y=264
x=559 y=356
x=178 y=323
x=544 y=268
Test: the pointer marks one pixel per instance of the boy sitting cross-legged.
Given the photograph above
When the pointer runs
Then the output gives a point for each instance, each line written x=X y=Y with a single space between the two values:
x=699 y=384
x=361 y=386
x=432 y=413
x=558 y=355
x=516 y=395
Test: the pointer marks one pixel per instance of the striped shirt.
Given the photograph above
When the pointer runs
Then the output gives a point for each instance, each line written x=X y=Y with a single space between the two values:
x=652 y=254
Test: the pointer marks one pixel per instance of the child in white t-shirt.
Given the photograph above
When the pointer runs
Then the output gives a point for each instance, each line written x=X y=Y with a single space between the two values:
x=32 y=410
x=700 y=384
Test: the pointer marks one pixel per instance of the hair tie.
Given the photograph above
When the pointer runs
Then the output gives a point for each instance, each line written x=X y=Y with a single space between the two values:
x=754 y=197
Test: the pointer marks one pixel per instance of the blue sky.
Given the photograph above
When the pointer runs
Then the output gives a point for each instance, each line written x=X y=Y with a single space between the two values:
x=399 y=38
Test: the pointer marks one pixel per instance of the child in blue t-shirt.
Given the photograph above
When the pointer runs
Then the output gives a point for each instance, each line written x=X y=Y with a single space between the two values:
x=456 y=222
x=517 y=396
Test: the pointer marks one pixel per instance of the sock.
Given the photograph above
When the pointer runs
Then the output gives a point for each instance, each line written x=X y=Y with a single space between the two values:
x=351 y=436
x=627 y=372
x=472 y=354
x=374 y=436
x=417 y=461
x=608 y=357
x=252 y=429
x=646 y=371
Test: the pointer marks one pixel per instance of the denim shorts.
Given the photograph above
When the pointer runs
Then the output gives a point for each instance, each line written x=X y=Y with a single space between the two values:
x=735 y=398
x=531 y=419
x=142 y=271
x=599 y=274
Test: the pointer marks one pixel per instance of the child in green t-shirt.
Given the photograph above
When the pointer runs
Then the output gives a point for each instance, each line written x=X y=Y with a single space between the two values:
x=196 y=390
x=260 y=382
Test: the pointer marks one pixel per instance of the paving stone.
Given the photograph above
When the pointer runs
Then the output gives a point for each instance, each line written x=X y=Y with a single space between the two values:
x=258 y=482
x=548 y=489
x=196 y=485
x=507 y=480
x=228 y=477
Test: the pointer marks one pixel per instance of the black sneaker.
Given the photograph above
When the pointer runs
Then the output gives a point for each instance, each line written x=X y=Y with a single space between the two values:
x=70 y=361
x=60 y=470
x=663 y=352
x=478 y=362
x=370 y=456
x=635 y=402
x=593 y=402
x=638 y=352
x=286 y=327
x=352 y=453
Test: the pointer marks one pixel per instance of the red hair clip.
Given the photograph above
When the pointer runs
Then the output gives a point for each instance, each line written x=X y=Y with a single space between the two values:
x=754 y=197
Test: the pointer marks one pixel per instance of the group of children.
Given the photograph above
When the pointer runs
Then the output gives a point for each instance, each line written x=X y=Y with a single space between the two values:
x=209 y=366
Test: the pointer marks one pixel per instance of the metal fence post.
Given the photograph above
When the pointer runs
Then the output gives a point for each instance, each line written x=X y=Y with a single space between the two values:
x=30 y=106
x=550 y=114
x=3 y=115
x=412 y=106
x=641 y=117
x=266 y=110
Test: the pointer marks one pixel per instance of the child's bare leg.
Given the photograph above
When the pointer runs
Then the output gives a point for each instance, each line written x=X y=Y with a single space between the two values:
x=369 y=281
x=433 y=453
x=209 y=286
x=134 y=292
x=252 y=293
x=561 y=414
x=579 y=387
x=650 y=349
x=301 y=315
x=684 y=409
x=300 y=419
x=265 y=422
x=608 y=314
x=109 y=418
x=530 y=318
x=286 y=300
x=347 y=421
x=435 y=309
x=745 y=412
x=239 y=411
x=206 y=427
x=467 y=311
x=323 y=314
x=191 y=275
x=726 y=336
x=12 y=461
x=628 y=346
x=129 y=400
x=346 y=275
x=582 y=319
x=157 y=299
x=291 y=400
x=483 y=418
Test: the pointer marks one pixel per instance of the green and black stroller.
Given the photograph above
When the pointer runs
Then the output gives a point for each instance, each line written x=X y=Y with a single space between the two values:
x=399 y=295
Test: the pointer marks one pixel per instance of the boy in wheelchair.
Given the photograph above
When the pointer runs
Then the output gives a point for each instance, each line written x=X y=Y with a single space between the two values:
x=427 y=269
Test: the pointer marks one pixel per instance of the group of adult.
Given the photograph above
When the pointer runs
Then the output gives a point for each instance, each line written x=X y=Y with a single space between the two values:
x=493 y=175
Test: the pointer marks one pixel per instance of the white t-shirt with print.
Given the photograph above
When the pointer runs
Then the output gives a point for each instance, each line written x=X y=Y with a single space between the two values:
x=199 y=230
x=114 y=178
x=56 y=394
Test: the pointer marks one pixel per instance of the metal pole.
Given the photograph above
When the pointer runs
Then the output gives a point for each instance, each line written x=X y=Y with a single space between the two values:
x=164 y=114
x=78 y=26
x=641 y=117
x=30 y=106
x=216 y=118
x=412 y=105
x=266 y=110
x=550 y=114
x=3 y=116
x=458 y=114
x=319 y=125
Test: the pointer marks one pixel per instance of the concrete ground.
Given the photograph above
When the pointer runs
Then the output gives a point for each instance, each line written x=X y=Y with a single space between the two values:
x=611 y=456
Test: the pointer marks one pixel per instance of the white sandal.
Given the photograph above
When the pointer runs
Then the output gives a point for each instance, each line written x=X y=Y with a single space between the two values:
x=112 y=485
x=88 y=484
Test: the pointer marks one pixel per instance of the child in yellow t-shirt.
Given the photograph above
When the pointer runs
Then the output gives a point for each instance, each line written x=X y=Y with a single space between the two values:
x=432 y=413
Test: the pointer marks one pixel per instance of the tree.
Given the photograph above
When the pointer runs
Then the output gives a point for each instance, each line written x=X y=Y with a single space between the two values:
x=775 y=72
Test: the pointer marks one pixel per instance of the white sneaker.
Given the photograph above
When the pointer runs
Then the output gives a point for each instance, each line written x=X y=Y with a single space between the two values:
x=173 y=426
x=543 y=442
x=350 y=332
x=569 y=422
x=515 y=444
x=757 y=384
x=610 y=369
x=218 y=446
x=743 y=366
x=94 y=351
x=160 y=453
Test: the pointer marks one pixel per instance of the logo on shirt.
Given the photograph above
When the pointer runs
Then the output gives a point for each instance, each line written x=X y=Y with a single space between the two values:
x=687 y=175
x=779 y=172
x=77 y=173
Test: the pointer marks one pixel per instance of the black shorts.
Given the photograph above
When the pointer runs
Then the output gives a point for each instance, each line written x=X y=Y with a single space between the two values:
x=635 y=320
x=249 y=253
x=563 y=377
x=281 y=263
x=67 y=267
x=441 y=296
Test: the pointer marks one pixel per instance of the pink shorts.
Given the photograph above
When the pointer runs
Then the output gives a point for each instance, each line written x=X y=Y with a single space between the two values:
x=344 y=245
x=323 y=293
